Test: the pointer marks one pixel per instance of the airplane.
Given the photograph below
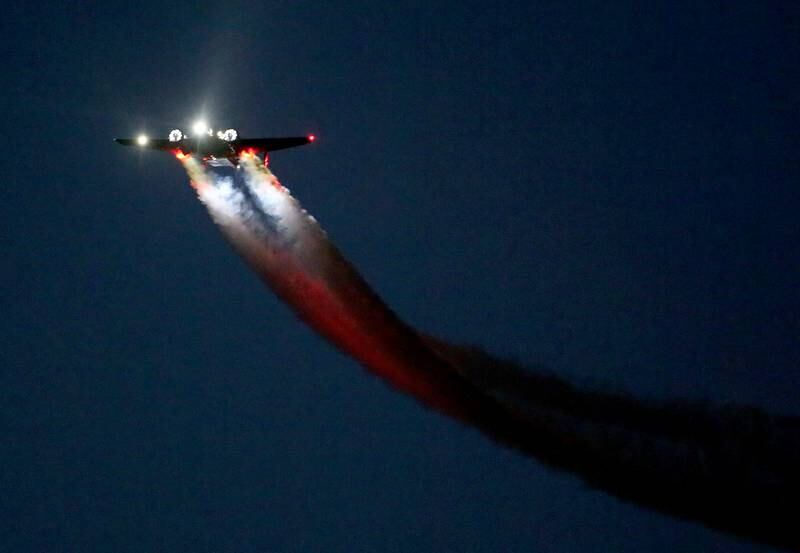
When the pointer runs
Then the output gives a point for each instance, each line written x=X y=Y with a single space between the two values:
x=222 y=149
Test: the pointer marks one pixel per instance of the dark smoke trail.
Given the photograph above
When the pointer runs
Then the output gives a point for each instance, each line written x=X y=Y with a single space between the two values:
x=729 y=468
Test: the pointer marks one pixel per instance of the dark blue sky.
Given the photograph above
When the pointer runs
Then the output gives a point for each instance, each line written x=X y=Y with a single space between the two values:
x=609 y=191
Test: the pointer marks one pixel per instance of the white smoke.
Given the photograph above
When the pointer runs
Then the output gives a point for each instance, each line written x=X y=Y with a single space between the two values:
x=294 y=229
x=233 y=207
x=262 y=220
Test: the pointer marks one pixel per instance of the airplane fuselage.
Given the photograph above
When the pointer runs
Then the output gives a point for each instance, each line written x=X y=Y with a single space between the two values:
x=206 y=147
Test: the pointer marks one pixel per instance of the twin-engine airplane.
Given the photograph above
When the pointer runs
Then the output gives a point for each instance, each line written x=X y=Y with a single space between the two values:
x=223 y=149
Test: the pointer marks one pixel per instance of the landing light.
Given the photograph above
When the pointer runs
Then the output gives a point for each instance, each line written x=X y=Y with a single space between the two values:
x=141 y=140
x=200 y=127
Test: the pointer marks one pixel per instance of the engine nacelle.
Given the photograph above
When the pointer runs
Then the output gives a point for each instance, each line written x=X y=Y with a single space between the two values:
x=228 y=136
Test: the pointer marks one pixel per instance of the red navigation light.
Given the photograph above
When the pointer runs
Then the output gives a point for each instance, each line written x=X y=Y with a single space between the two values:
x=311 y=138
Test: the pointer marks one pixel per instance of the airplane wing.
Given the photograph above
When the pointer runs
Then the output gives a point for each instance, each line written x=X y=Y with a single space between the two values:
x=272 y=144
x=152 y=143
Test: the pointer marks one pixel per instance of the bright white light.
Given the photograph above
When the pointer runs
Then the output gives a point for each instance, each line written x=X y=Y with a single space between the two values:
x=141 y=140
x=229 y=135
x=200 y=128
x=175 y=135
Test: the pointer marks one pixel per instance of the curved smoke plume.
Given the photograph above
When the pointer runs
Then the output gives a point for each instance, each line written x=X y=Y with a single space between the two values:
x=730 y=468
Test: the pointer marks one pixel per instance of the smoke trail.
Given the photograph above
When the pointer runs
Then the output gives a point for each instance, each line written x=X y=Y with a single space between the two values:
x=733 y=469
x=291 y=253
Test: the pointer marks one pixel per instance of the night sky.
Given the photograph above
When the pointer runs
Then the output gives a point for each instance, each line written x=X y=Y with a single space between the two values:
x=610 y=192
